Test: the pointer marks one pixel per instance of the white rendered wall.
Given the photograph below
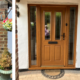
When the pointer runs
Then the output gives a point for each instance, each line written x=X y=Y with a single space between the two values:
x=23 y=29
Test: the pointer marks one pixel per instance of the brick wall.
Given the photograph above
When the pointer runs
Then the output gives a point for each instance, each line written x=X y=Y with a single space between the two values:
x=16 y=37
x=3 y=32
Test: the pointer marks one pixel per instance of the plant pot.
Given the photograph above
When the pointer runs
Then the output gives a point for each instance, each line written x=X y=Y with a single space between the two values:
x=5 y=75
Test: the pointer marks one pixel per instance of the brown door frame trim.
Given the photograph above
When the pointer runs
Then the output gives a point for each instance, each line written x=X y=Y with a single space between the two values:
x=38 y=37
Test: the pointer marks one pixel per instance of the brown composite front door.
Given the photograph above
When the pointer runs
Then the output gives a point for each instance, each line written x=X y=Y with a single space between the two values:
x=53 y=36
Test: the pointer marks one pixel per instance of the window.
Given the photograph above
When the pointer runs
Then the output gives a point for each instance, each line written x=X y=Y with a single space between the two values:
x=71 y=35
x=58 y=25
x=33 y=34
x=47 y=25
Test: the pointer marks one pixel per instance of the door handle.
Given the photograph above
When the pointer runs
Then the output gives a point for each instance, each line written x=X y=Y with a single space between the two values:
x=63 y=36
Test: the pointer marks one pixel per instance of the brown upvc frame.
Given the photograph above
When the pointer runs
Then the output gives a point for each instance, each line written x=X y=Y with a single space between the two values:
x=38 y=37
x=75 y=39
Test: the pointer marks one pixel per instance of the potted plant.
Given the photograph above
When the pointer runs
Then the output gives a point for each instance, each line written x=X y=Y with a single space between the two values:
x=7 y=24
x=5 y=65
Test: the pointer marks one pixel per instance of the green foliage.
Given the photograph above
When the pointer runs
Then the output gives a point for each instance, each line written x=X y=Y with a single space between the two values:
x=7 y=25
x=2 y=68
x=47 y=13
x=32 y=24
x=58 y=14
x=5 y=60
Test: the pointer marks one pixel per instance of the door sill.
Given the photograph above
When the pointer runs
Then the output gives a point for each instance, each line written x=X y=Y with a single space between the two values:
x=41 y=68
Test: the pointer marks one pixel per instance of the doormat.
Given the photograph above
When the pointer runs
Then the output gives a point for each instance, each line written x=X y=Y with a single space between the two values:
x=53 y=74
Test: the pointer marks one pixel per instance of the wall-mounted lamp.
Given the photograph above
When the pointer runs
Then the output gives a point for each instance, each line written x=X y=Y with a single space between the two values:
x=18 y=14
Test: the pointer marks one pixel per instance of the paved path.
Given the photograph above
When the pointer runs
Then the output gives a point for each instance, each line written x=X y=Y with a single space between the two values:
x=37 y=75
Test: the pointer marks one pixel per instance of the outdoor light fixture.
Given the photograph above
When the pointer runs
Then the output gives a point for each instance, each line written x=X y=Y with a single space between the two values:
x=18 y=14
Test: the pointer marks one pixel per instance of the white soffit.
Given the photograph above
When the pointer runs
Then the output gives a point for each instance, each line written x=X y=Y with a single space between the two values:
x=67 y=2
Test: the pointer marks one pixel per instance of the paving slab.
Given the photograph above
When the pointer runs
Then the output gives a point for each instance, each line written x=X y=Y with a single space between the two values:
x=37 y=75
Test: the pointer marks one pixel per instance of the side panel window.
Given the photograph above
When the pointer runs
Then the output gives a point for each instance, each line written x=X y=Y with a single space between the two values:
x=71 y=35
x=33 y=34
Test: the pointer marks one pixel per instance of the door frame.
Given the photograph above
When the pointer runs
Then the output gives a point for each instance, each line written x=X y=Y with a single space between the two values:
x=38 y=37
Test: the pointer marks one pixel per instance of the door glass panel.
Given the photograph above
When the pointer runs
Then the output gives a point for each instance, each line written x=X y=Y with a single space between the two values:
x=57 y=25
x=33 y=34
x=47 y=25
x=71 y=35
